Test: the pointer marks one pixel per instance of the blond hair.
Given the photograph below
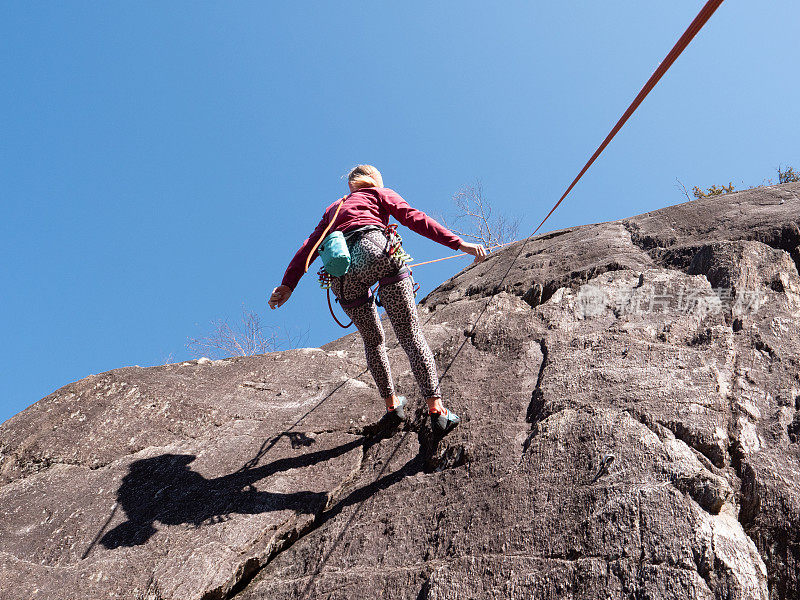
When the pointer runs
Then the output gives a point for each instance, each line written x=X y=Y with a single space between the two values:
x=364 y=176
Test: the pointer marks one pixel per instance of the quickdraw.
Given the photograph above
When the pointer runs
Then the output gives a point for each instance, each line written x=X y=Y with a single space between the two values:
x=325 y=279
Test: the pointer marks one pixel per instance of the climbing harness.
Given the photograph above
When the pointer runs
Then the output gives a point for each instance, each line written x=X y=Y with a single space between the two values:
x=397 y=256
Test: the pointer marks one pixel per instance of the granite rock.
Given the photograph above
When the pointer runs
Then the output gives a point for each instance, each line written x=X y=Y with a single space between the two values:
x=630 y=396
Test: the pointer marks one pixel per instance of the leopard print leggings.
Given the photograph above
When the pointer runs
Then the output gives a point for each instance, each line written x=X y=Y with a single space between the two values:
x=370 y=262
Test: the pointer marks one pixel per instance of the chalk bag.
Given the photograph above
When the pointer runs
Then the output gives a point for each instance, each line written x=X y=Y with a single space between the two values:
x=334 y=254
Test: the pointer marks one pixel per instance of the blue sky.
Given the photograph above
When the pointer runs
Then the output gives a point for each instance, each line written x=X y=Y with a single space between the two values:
x=161 y=162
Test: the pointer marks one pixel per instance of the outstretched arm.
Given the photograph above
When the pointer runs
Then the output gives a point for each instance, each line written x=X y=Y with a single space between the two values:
x=296 y=267
x=419 y=222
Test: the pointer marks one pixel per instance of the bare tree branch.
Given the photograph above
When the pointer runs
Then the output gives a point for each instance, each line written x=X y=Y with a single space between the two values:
x=474 y=222
x=246 y=337
x=683 y=189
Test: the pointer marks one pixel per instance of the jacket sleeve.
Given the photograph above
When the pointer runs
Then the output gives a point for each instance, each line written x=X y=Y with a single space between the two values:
x=418 y=221
x=297 y=265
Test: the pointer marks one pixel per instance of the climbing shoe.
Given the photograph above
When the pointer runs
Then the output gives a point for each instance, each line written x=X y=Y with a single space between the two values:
x=398 y=413
x=444 y=423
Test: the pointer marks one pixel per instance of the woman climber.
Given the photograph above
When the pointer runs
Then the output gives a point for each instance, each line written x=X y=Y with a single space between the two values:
x=375 y=255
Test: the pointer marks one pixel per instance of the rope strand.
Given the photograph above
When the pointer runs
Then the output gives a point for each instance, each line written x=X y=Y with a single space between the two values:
x=427 y=262
x=691 y=31
x=701 y=19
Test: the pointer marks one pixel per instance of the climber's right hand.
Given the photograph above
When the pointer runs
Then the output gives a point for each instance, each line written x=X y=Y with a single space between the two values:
x=279 y=295
x=477 y=250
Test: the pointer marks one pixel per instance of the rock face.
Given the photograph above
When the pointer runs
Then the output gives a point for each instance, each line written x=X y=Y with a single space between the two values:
x=630 y=396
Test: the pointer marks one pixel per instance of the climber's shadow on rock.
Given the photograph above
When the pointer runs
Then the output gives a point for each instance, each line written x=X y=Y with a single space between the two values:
x=164 y=488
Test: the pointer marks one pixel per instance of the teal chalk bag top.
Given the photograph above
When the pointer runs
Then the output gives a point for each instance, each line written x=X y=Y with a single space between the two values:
x=334 y=254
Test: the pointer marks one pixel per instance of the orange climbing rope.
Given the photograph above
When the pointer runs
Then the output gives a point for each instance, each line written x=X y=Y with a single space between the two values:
x=435 y=260
x=324 y=233
x=700 y=20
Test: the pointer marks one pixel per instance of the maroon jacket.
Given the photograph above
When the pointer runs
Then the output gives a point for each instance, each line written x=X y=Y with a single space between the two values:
x=369 y=206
